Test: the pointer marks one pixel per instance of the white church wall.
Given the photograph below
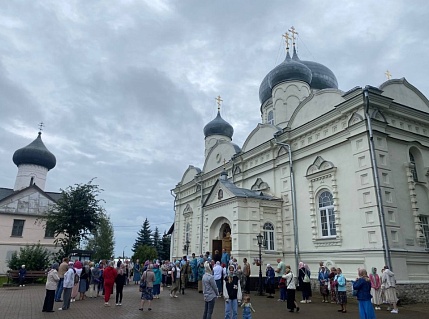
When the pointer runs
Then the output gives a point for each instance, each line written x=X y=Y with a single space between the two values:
x=401 y=91
x=30 y=172
x=261 y=134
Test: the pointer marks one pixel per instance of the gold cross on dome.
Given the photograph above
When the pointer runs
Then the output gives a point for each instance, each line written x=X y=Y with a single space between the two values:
x=292 y=30
x=41 y=126
x=388 y=74
x=287 y=38
x=219 y=102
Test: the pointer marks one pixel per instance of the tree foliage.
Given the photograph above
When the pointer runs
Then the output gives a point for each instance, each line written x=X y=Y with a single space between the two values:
x=102 y=240
x=145 y=252
x=157 y=243
x=75 y=216
x=164 y=254
x=144 y=236
x=34 y=257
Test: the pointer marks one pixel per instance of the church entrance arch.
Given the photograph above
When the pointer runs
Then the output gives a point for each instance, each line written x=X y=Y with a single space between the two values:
x=220 y=235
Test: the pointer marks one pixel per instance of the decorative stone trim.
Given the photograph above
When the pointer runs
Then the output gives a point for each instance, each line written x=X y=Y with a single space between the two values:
x=323 y=172
x=420 y=237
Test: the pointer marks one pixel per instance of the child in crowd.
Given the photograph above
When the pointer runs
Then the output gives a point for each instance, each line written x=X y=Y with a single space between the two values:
x=247 y=308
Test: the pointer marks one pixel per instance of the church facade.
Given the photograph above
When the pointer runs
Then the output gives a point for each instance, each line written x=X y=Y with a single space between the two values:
x=21 y=206
x=332 y=176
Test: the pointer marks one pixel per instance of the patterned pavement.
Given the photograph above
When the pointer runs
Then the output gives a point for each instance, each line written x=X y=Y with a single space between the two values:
x=26 y=303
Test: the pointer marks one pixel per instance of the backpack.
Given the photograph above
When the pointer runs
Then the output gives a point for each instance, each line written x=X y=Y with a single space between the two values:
x=76 y=277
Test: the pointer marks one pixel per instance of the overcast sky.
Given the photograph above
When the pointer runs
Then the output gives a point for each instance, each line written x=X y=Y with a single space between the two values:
x=125 y=88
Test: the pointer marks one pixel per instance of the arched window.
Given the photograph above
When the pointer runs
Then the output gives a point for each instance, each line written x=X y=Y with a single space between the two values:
x=270 y=117
x=269 y=236
x=220 y=194
x=413 y=166
x=327 y=215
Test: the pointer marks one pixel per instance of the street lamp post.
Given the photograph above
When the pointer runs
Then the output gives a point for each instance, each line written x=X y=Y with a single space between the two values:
x=260 y=238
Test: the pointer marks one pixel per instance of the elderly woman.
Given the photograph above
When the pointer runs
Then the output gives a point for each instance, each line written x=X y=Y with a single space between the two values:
x=289 y=278
x=323 y=282
x=362 y=286
x=375 y=288
x=341 y=290
x=109 y=275
x=51 y=285
x=210 y=291
x=147 y=293
x=270 y=281
x=304 y=282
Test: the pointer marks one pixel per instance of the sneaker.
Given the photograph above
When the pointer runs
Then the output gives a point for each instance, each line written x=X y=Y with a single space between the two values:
x=106 y=304
x=20 y=285
x=171 y=295
x=60 y=309
x=394 y=311
x=308 y=301
x=23 y=285
x=176 y=296
x=303 y=301
x=388 y=309
x=119 y=304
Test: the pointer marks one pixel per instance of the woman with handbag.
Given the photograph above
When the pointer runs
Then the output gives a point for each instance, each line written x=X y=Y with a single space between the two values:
x=304 y=282
x=289 y=278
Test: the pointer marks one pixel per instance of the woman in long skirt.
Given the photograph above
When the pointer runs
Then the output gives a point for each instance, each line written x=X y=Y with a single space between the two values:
x=375 y=288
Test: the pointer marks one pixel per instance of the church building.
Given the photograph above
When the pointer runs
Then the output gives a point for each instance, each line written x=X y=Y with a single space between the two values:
x=328 y=175
x=21 y=206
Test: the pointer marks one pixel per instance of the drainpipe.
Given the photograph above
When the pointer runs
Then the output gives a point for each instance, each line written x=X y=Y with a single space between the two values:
x=386 y=249
x=172 y=237
x=293 y=191
x=202 y=216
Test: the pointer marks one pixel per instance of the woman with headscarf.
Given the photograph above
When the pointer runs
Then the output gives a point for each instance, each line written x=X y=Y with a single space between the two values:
x=304 y=282
x=289 y=278
x=210 y=291
x=84 y=280
x=147 y=293
x=200 y=275
x=175 y=279
x=94 y=281
x=375 y=288
x=341 y=290
x=270 y=281
x=231 y=293
x=109 y=275
x=323 y=279
x=362 y=286
x=51 y=285
x=77 y=267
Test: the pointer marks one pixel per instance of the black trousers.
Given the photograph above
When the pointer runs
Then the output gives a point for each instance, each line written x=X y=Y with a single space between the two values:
x=119 y=290
x=48 y=305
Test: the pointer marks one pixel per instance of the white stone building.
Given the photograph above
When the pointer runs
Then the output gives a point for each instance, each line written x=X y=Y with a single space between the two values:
x=21 y=206
x=333 y=176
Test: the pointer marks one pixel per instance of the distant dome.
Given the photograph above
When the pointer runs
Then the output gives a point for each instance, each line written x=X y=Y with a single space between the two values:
x=323 y=77
x=218 y=127
x=289 y=70
x=35 y=153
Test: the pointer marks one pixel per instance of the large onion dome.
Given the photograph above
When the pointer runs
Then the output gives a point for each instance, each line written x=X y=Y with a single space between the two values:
x=289 y=70
x=218 y=127
x=323 y=77
x=264 y=89
x=35 y=153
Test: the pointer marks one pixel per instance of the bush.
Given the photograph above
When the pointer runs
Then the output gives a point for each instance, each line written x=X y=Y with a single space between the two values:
x=34 y=257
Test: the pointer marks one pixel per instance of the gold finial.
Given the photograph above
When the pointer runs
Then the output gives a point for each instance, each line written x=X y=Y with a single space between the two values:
x=41 y=126
x=292 y=30
x=388 y=74
x=287 y=38
x=219 y=102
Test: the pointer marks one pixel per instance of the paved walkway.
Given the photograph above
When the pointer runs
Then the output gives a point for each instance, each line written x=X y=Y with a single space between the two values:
x=26 y=303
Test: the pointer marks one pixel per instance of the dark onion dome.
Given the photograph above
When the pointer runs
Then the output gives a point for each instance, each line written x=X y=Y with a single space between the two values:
x=289 y=70
x=218 y=127
x=264 y=89
x=323 y=78
x=35 y=153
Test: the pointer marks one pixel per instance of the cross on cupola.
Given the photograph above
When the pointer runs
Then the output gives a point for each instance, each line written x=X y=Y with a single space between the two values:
x=219 y=102
x=292 y=30
x=287 y=38
x=41 y=127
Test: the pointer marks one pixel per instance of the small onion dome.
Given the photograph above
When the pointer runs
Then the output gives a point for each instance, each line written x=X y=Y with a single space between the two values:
x=323 y=77
x=35 y=153
x=218 y=127
x=289 y=70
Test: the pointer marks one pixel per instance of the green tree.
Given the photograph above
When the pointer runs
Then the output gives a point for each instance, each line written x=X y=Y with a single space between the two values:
x=145 y=252
x=144 y=236
x=34 y=257
x=102 y=241
x=165 y=243
x=75 y=216
x=157 y=244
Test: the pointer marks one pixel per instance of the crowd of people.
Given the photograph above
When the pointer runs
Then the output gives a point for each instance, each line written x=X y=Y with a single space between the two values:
x=215 y=276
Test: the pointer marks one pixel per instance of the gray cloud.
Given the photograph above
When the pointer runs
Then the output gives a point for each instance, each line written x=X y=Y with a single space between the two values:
x=125 y=88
